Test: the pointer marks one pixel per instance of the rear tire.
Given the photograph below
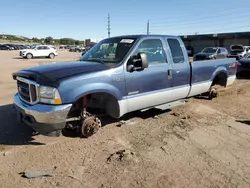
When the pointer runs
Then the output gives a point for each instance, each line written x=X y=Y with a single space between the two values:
x=213 y=93
x=29 y=56
x=51 y=56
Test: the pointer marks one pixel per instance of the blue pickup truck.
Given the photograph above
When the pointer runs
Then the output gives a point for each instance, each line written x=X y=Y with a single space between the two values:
x=118 y=75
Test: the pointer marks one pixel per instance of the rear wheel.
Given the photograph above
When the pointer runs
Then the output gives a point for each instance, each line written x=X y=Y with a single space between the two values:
x=29 y=56
x=51 y=56
x=213 y=93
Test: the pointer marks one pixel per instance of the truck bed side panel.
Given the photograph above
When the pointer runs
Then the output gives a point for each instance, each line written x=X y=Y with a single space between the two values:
x=203 y=73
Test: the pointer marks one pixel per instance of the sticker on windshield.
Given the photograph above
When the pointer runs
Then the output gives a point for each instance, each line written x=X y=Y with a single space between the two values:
x=126 y=41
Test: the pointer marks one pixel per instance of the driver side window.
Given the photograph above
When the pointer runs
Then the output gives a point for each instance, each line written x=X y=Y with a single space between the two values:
x=154 y=50
x=40 y=48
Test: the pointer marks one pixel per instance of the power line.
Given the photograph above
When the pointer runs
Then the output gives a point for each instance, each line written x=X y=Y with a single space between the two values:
x=208 y=19
x=216 y=13
x=214 y=31
x=109 y=26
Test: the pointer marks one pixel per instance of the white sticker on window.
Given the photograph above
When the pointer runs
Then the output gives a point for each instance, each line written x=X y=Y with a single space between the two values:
x=126 y=41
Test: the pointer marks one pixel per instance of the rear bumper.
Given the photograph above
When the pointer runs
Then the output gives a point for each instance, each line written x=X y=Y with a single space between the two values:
x=44 y=119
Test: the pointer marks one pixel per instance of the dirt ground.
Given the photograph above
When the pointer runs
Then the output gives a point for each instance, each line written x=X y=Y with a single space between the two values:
x=201 y=144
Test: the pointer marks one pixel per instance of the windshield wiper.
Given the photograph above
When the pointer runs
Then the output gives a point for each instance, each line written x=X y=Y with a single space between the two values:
x=95 y=60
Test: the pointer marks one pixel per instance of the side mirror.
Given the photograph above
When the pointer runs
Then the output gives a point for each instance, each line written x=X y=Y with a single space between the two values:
x=138 y=62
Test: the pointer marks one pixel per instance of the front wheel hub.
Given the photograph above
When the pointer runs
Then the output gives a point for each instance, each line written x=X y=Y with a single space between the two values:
x=90 y=126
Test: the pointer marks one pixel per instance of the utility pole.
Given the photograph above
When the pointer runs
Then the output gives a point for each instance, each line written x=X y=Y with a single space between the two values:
x=148 y=27
x=108 y=25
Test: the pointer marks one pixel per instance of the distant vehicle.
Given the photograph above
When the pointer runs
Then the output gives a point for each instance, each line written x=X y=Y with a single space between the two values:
x=84 y=51
x=5 y=47
x=22 y=47
x=211 y=53
x=133 y=73
x=14 y=46
x=238 y=51
x=62 y=47
x=244 y=65
x=39 y=51
x=190 y=50
x=72 y=48
x=80 y=49
x=77 y=49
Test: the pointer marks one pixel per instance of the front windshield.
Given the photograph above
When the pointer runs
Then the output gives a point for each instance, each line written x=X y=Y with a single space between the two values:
x=209 y=50
x=110 y=51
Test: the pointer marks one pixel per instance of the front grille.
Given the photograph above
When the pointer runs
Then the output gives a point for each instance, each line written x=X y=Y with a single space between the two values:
x=27 y=90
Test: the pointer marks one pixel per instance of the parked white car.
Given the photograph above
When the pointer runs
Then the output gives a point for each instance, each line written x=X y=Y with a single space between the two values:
x=39 y=51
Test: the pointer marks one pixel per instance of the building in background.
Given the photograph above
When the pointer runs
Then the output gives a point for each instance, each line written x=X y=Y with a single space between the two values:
x=200 y=41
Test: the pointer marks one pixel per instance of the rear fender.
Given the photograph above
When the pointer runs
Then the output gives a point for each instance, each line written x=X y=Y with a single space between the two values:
x=218 y=71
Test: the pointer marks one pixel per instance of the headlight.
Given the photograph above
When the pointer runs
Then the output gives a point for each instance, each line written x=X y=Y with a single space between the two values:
x=211 y=56
x=49 y=95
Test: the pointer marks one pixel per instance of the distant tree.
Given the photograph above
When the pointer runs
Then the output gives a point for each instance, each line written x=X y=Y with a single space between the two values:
x=77 y=42
x=48 y=40
x=34 y=39
x=67 y=41
x=81 y=43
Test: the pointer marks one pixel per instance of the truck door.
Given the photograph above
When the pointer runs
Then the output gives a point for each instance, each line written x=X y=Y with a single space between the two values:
x=151 y=86
x=180 y=68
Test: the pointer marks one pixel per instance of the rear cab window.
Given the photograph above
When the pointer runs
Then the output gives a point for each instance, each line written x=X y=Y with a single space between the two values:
x=176 y=50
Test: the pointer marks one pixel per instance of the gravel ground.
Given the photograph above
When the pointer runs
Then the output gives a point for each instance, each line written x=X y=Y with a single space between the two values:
x=201 y=144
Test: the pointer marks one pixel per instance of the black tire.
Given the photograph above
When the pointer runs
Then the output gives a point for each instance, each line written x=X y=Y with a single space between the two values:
x=51 y=56
x=29 y=56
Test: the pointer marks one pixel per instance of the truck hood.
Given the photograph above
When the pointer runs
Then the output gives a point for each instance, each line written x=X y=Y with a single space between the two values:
x=50 y=74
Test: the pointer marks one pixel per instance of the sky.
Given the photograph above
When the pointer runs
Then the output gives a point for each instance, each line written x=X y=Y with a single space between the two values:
x=82 y=19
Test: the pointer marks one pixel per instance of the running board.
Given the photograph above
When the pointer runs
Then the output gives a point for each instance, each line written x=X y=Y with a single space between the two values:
x=167 y=106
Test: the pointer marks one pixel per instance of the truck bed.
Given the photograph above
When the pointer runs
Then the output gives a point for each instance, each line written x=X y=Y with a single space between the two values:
x=204 y=72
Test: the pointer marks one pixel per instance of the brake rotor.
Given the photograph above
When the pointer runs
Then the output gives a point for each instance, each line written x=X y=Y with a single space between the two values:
x=90 y=126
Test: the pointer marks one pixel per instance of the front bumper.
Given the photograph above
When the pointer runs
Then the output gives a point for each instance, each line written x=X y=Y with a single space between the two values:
x=44 y=119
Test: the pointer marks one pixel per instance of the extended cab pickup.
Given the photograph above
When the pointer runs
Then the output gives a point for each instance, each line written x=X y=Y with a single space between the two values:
x=116 y=76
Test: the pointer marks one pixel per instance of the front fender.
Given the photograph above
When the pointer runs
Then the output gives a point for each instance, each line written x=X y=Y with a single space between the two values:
x=220 y=69
x=78 y=92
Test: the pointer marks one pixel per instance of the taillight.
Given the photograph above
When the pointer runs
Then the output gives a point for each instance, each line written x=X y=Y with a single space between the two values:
x=232 y=64
x=237 y=68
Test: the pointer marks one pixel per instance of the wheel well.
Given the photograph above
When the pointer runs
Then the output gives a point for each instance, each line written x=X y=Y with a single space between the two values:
x=103 y=103
x=220 y=79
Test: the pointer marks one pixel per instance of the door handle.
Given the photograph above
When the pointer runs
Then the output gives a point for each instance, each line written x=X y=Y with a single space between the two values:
x=169 y=73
